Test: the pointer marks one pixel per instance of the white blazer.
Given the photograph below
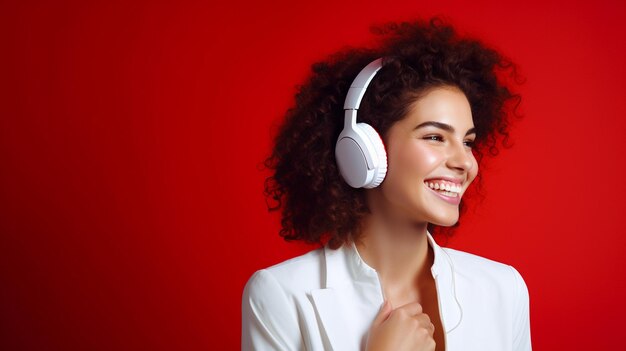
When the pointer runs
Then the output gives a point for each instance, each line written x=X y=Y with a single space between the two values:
x=327 y=300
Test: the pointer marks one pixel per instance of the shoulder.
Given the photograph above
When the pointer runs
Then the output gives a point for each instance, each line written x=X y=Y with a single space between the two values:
x=287 y=278
x=487 y=271
x=475 y=264
x=309 y=263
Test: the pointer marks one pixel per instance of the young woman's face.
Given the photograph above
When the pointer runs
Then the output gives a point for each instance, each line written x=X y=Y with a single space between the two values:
x=430 y=159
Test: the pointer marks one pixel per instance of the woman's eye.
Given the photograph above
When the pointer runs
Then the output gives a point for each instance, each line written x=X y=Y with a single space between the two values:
x=433 y=137
x=469 y=143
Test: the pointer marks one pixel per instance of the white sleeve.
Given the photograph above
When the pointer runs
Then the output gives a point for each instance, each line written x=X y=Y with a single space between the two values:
x=521 y=315
x=269 y=319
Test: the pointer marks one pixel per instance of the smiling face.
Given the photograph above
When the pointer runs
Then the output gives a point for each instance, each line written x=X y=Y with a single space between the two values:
x=430 y=160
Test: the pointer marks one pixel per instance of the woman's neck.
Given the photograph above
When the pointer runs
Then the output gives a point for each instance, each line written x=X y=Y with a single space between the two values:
x=399 y=251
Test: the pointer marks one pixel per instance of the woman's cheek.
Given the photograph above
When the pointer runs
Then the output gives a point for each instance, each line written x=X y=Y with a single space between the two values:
x=425 y=159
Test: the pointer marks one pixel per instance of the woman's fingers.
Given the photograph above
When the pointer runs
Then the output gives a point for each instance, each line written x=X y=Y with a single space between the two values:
x=425 y=322
x=405 y=328
x=414 y=310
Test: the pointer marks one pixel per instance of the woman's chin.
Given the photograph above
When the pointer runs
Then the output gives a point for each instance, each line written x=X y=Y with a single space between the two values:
x=448 y=221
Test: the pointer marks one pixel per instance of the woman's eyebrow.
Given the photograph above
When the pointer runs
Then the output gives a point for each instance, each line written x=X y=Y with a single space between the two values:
x=444 y=126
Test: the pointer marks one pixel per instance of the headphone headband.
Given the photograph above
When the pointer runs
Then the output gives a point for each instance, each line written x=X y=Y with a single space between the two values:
x=360 y=83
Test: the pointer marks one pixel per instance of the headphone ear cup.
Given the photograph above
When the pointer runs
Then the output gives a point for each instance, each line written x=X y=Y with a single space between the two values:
x=350 y=156
x=361 y=156
x=377 y=153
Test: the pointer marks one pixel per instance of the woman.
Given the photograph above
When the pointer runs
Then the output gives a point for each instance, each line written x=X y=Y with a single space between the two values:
x=372 y=194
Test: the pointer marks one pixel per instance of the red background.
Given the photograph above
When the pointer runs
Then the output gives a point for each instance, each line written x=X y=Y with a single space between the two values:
x=131 y=206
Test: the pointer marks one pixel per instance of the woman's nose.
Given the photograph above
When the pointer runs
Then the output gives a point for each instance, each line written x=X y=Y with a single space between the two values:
x=460 y=157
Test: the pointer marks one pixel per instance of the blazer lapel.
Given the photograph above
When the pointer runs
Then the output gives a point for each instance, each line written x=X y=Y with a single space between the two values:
x=330 y=317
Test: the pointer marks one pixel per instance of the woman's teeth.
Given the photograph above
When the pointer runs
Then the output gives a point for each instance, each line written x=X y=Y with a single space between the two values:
x=450 y=190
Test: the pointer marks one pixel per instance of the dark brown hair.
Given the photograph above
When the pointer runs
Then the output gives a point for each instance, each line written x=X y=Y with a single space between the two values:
x=317 y=205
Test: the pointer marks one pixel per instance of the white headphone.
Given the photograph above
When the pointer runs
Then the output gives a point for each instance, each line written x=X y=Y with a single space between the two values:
x=360 y=151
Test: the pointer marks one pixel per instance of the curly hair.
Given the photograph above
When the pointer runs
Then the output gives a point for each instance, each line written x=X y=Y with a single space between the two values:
x=317 y=205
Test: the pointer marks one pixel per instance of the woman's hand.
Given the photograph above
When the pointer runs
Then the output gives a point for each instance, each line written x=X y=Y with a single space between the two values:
x=405 y=328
